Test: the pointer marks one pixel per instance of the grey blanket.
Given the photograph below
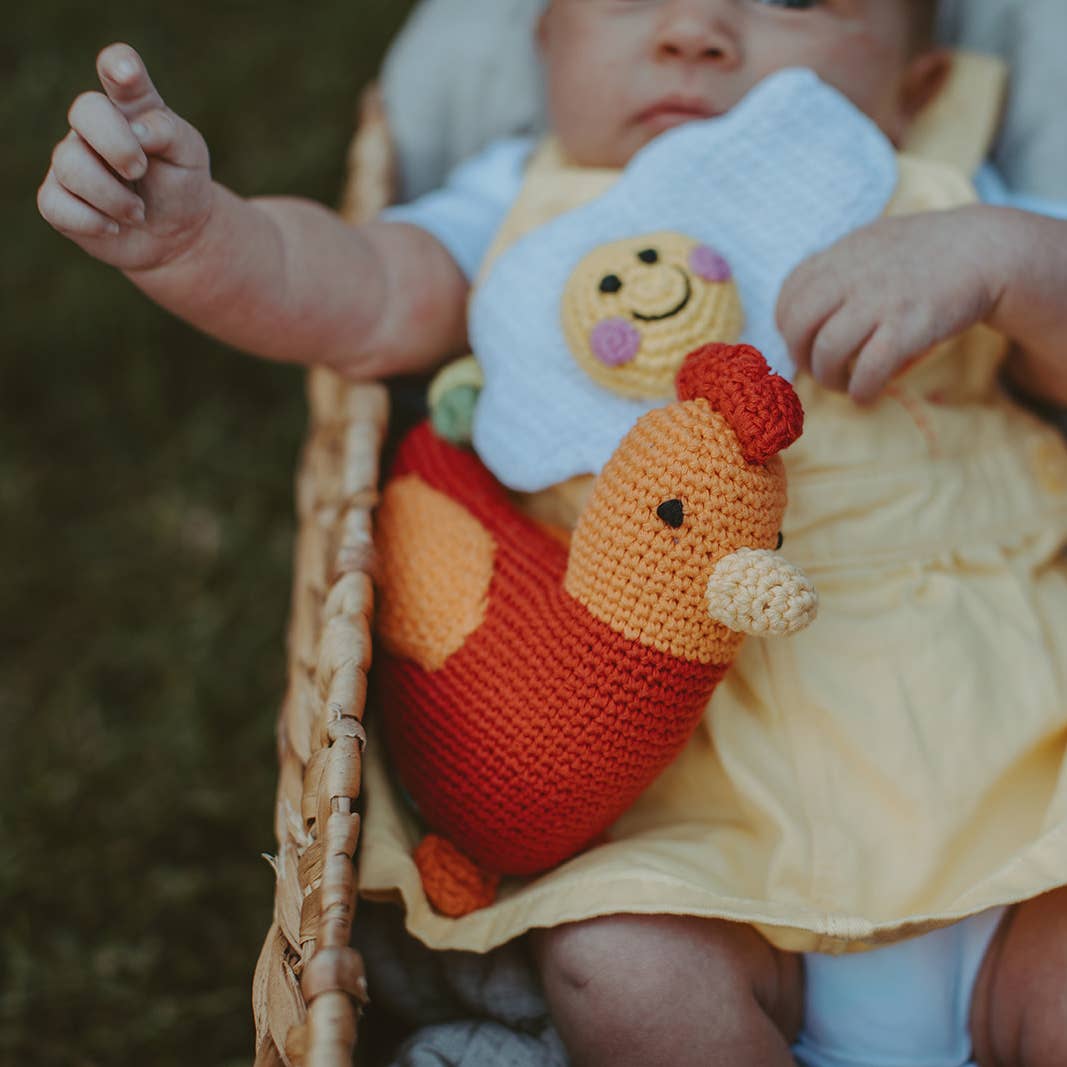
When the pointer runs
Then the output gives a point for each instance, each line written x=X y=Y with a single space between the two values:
x=465 y=1009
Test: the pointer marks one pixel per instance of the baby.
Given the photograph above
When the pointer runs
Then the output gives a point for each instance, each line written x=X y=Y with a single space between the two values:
x=286 y=279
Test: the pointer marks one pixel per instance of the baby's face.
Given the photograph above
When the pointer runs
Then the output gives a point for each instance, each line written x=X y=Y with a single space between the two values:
x=619 y=72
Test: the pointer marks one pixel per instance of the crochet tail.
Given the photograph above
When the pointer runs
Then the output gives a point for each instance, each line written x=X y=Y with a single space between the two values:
x=454 y=884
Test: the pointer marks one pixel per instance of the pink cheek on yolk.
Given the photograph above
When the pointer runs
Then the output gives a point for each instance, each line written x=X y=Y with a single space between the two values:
x=706 y=263
x=614 y=342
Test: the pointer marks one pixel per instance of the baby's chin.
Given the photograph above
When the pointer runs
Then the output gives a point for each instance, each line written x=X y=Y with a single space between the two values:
x=667 y=118
x=617 y=151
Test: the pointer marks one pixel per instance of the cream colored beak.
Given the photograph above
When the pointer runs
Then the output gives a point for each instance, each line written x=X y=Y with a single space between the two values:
x=756 y=591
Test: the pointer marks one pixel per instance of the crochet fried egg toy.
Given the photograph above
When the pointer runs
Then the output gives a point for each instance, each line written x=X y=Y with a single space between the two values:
x=581 y=325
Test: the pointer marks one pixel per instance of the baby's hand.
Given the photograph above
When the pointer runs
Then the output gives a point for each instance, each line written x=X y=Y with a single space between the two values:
x=130 y=183
x=864 y=308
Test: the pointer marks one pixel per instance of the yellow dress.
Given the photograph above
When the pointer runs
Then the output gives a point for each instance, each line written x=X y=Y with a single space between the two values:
x=898 y=765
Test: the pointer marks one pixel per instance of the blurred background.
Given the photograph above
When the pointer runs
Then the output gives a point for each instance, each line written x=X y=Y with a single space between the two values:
x=146 y=524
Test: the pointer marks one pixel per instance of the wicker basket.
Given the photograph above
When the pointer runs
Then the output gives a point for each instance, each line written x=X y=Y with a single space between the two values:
x=309 y=984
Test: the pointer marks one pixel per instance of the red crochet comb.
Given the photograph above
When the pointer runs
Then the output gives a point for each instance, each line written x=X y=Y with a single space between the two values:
x=761 y=407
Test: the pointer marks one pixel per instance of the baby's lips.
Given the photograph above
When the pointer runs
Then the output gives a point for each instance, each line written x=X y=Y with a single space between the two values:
x=614 y=341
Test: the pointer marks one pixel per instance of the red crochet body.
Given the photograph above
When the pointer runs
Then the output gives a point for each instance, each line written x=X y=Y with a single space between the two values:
x=580 y=719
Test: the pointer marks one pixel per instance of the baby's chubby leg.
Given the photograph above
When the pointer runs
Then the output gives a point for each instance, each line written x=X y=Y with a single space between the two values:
x=1019 y=1009
x=659 y=989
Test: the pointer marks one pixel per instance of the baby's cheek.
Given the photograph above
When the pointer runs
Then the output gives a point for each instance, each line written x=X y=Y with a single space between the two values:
x=614 y=341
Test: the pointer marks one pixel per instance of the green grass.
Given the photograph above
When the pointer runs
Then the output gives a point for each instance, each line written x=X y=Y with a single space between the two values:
x=145 y=531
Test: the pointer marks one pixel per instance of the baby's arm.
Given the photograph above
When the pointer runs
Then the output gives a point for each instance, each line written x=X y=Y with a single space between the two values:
x=283 y=278
x=858 y=312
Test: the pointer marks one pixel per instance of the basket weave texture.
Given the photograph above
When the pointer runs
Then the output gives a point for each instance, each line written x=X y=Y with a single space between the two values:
x=309 y=983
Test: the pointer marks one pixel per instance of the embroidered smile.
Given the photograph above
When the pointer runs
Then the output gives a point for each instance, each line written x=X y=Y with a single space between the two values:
x=674 y=310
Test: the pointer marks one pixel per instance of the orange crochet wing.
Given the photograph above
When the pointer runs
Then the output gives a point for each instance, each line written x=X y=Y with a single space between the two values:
x=434 y=568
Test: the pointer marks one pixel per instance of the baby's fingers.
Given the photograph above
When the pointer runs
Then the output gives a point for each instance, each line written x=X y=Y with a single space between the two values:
x=125 y=80
x=65 y=212
x=154 y=126
x=836 y=343
x=891 y=349
x=878 y=361
x=163 y=134
x=859 y=351
x=808 y=300
x=80 y=171
x=99 y=123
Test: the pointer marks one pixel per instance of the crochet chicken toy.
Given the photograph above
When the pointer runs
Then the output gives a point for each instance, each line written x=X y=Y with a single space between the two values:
x=532 y=690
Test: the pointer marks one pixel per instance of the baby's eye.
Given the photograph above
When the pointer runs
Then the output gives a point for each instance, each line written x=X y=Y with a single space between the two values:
x=781 y=541
x=649 y=255
x=610 y=283
x=671 y=512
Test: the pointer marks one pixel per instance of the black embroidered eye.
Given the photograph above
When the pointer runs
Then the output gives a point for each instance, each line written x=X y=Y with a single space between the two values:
x=610 y=283
x=781 y=541
x=649 y=255
x=670 y=511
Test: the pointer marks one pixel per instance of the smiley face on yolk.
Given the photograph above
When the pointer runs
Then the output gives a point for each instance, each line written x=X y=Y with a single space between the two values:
x=633 y=309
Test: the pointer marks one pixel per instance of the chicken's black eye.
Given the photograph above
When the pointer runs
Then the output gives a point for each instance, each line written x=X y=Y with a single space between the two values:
x=781 y=541
x=610 y=283
x=648 y=255
x=670 y=511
